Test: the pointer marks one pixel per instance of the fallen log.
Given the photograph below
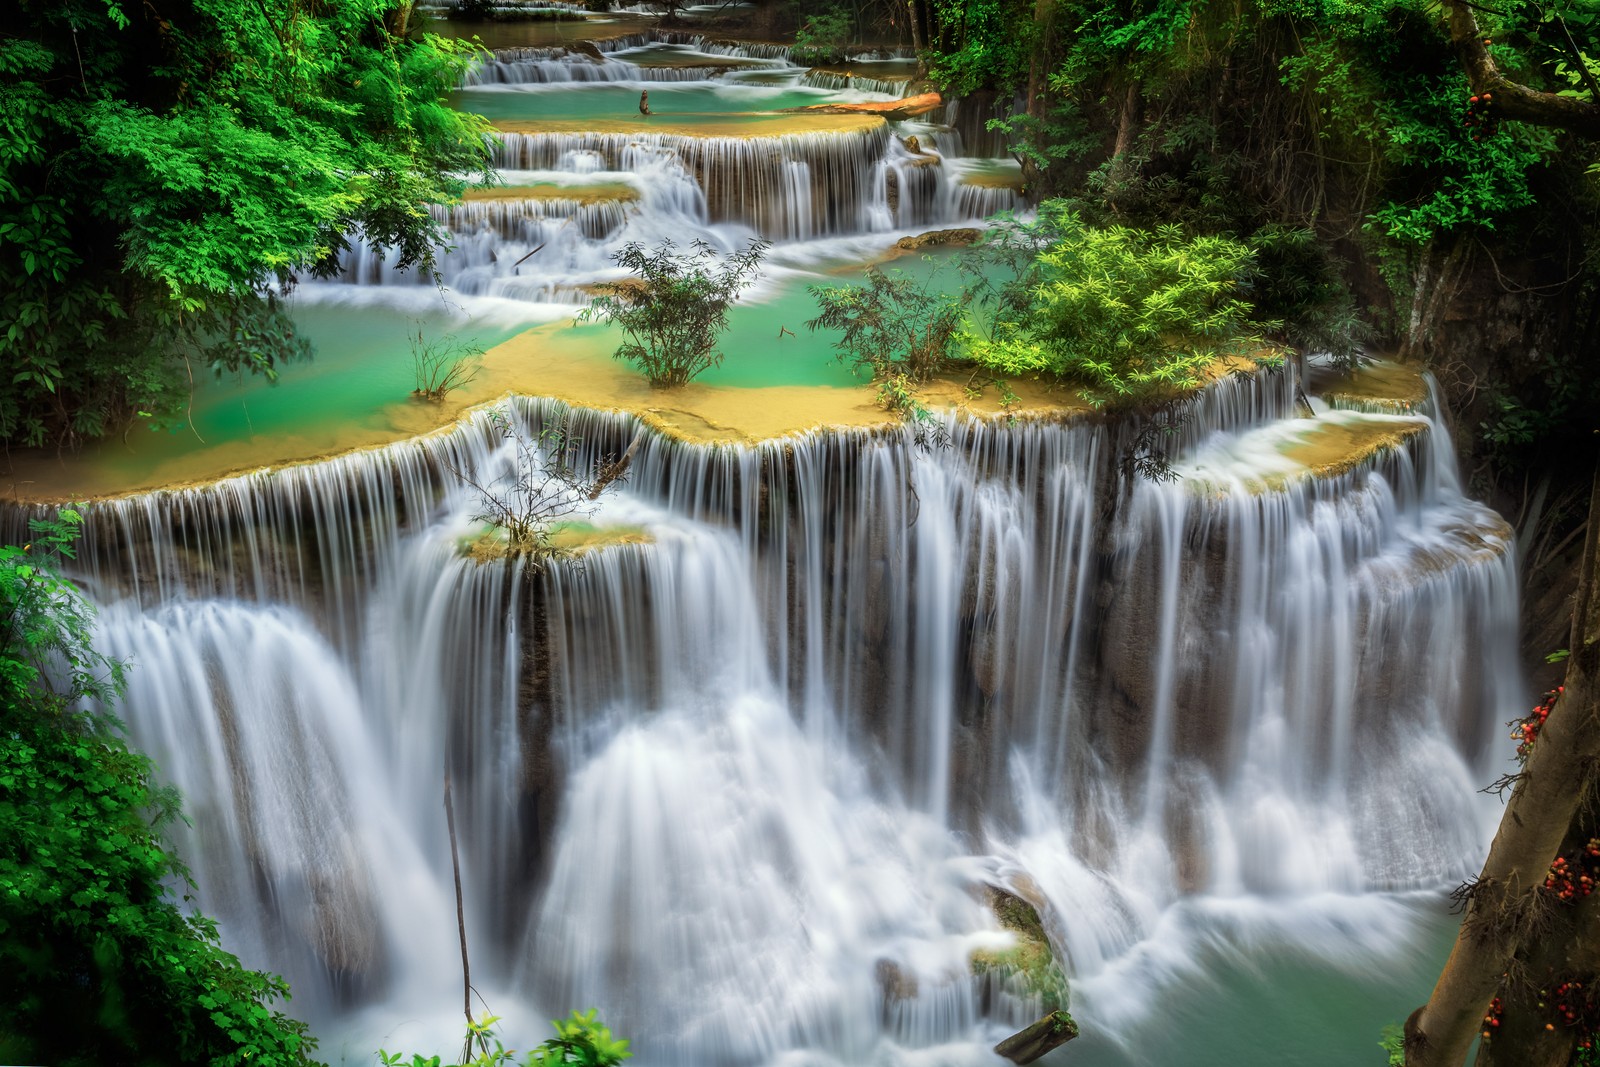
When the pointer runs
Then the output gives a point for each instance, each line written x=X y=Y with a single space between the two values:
x=909 y=108
x=1031 y=1042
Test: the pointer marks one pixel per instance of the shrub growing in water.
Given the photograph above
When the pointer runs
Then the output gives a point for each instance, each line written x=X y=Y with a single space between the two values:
x=672 y=317
x=900 y=329
x=442 y=366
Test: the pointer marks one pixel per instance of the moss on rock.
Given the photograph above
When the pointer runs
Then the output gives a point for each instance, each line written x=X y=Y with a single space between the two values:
x=1029 y=966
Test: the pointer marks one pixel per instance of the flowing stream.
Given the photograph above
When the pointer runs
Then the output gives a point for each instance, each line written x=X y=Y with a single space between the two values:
x=738 y=775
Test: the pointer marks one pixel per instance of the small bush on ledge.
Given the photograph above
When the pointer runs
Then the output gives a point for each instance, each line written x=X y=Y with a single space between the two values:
x=1130 y=316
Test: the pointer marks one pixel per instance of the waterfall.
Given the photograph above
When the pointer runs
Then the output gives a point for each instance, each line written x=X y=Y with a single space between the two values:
x=739 y=785
x=744 y=179
x=718 y=175
x=828 y=79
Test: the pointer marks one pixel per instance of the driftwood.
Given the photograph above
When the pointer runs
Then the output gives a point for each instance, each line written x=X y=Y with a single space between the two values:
x=909 y=108
x=615 y=469
x=1031 y=1042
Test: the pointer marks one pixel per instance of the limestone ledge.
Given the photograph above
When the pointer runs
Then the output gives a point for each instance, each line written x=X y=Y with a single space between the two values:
x=568 y=540
x=593 y=193
x=1320 y=448
x=1383 y=386
x=742 y=126
x=570 y=364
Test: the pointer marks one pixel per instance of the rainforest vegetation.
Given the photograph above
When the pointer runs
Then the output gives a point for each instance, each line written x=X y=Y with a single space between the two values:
x=165 y=171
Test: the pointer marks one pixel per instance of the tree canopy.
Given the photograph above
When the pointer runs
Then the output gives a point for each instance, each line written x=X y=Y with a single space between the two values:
x=166 y=166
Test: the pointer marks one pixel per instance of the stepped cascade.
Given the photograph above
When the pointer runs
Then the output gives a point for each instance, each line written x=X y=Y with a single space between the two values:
x=742 y=769
x=719 y=776
x=720 y=159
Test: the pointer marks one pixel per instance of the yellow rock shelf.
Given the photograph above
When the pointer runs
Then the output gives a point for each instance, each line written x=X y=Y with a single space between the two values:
x=734 y=126
x=596 y=193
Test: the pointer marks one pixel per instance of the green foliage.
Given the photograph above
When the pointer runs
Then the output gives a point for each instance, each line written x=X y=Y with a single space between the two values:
x=901 y=329
x=1131 y=316
x=1298 y=284
x=1544 y=414
x=46 y=627
x=822 y=37
x=1346 y=118
x=581 y=1041
x=1393 y=1042
x=160 y=170
x=986 y=44
x=1380 y=78
x=97 y=962
x=671 y=320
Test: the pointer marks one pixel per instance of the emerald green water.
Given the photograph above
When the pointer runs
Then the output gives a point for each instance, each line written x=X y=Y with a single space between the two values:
x=755 y=353
x=758 y=352
x=362 y=375
x=359 y=382
x=363 y=362
x=1244 y=994
x=361 y=368
x=692 y=102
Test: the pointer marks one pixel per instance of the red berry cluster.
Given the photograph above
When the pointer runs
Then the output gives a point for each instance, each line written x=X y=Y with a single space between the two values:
x=1523 y=731
x=1569 y=1003
x=1480 y=117
x=1491 y=1021
x=1573 y=879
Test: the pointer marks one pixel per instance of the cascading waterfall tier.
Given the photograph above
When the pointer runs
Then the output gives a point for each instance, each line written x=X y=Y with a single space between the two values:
x=722 y=783
x=710 y=175
x=769 y=183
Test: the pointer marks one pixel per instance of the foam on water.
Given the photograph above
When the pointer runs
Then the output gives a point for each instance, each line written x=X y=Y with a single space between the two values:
x=737 y=785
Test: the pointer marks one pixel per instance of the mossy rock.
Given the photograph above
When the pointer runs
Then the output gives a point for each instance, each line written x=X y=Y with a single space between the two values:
x=960 y=236
x=1028 y=967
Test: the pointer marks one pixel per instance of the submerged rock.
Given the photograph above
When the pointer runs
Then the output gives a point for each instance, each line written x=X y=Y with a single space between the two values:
x=961 y=236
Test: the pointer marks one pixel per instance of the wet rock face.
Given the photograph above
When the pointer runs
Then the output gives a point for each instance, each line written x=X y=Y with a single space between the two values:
x=958 y=236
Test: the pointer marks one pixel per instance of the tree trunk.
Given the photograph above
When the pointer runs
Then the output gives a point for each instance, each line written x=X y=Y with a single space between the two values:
x=1434 y=286
x=1038 y=81
x=916 y=35
x=1531 y=1032
x=1511 y=100
x=1507 y=901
